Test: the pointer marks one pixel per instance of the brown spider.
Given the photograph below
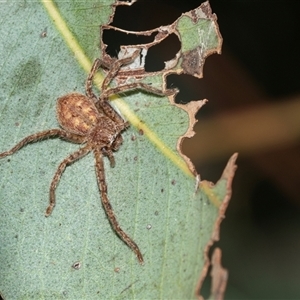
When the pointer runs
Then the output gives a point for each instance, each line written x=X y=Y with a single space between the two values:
x=92 y=121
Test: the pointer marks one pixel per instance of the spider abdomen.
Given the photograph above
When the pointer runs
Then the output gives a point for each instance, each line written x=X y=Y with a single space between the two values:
x=76 y=113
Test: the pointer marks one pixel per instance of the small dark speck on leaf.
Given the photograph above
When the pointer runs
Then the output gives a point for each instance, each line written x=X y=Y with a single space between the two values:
x=43 y=33
x=141 y=132
x=117 y=269
x=133 y=137
x=17 y=124
x=173 y=182
x=156 y=213
x=162 y=190
x=76 y=265
x=135 y=158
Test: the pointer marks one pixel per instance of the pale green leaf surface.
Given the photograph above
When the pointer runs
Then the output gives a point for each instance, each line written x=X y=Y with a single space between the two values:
x=154 y=200
x=192 y=35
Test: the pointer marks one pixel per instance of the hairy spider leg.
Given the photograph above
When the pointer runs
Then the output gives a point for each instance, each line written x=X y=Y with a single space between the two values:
x=109 y=154
x=71 y=158
x=39 y=136
x=89 y=81
x=108 y=208
x=139 y=85
x=102 y=104
x=113 y=71
x=62 y=166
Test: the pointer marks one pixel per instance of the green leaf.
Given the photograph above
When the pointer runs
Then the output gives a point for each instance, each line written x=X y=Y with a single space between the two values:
x=75 y=253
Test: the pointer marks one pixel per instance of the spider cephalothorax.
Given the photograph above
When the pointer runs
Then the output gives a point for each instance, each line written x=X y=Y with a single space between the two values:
x=88 y=120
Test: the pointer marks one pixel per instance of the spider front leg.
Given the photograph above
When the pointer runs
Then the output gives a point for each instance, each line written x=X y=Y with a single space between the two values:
x=138 y=85
x=116 y=66
x=113 y=70
x=89 y=81
x=108 y=208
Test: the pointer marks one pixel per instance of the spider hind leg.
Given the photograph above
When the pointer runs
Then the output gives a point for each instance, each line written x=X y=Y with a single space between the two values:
x=108 y=208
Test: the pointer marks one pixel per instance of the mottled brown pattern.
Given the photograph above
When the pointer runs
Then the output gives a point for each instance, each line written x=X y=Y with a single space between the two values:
x=76 y=113
x=191 y=60
x=91 y=121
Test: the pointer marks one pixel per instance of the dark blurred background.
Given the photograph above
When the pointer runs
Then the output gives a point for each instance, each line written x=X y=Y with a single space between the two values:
x=254 y=109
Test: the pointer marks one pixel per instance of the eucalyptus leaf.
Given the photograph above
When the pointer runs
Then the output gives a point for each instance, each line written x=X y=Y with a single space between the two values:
x=74 y=253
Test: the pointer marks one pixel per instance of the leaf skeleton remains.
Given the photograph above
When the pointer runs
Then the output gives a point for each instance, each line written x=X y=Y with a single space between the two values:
x=86 y=119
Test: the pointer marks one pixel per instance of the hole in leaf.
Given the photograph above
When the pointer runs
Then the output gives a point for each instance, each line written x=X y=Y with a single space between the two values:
x=164 y=51
x=190 y=87
x=114 y=39
x=145 y=15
